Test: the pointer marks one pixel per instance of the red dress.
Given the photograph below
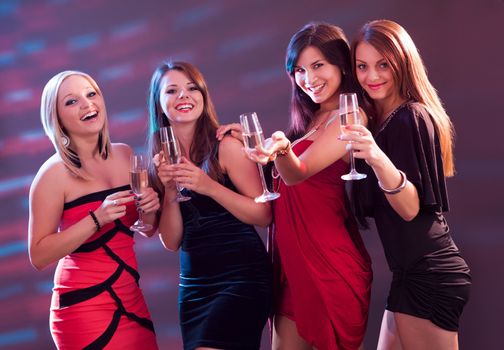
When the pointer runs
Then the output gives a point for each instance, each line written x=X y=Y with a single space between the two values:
x=325 y=268
x=97 y=302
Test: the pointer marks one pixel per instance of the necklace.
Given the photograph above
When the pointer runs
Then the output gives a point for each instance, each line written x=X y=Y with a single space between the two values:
x=390 y=116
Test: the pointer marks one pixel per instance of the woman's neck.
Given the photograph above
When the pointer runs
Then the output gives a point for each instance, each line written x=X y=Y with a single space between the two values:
x=85 y=148
x=185 y=135
x=321 y=117
x=330 y=104
x=384 y=108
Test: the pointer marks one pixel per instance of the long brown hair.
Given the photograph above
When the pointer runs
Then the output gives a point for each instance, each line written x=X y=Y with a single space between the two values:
x=396 y=46
x=204 y=142
x=332 y=42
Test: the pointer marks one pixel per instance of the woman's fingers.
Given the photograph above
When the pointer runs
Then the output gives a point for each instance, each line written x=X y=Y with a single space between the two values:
x=234 y=129
x=148 y=200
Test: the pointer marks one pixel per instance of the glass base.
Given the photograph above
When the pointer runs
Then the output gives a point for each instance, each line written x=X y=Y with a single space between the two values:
x=181 y=198
x=266 y=196
x=353 y=175
x=140 y=227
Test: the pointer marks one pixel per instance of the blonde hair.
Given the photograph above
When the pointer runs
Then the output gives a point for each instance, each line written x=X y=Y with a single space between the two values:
x=52 y=123
x=395 y=44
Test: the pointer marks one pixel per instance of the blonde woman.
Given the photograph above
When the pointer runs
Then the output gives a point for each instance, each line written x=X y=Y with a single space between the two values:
x=81 y=208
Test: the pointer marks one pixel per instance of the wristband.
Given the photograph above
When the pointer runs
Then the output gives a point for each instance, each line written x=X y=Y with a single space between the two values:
x=97 y=223
x=398 y=189
x=285 y=151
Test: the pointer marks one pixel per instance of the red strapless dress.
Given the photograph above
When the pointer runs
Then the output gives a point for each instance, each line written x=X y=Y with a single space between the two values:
x=326 y=275
x=97 y=302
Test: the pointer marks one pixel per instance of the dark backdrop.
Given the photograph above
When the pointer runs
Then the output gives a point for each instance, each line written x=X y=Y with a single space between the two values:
x=240 y=48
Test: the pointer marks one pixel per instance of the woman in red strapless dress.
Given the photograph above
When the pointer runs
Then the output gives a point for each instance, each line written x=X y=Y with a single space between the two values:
x=81 y=208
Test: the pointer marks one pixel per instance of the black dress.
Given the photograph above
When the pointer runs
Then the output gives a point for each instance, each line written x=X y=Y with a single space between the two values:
x=225 y=278
x=431 y=280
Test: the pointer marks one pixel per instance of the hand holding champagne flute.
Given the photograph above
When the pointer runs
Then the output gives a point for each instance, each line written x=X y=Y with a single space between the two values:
x=172 y=154
x=349 y=114
x=253 y=137
x=139 y=181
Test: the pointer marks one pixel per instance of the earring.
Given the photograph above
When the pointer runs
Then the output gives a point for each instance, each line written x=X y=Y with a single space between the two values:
x=65 y=140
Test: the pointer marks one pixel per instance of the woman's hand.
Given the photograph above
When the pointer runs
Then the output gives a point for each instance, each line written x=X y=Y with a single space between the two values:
x=234 y=129
x=192 y=177
x=262 y=155
x=363 y=144
x=164 y=171
x=148 y=201
x=113 y=207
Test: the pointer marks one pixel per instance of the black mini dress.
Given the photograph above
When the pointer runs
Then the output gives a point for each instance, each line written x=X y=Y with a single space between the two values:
x=430 y=280
x=225 y=290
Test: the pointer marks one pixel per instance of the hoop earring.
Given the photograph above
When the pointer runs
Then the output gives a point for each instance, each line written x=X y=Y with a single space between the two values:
x=65 y=140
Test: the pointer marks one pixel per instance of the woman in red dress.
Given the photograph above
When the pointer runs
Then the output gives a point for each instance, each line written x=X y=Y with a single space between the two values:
x=322 y=294
x=81 y=208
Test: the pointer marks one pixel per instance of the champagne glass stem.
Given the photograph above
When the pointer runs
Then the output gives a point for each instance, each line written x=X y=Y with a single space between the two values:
x=352 y=161
x=263 y=181
x=140 y=218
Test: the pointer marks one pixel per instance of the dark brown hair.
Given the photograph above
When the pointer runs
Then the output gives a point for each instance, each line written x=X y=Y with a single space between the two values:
x=203 y=147
x=332 y=42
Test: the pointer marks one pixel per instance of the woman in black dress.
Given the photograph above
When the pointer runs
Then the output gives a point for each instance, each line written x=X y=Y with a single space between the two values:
x=408 y=154
x=225 y=277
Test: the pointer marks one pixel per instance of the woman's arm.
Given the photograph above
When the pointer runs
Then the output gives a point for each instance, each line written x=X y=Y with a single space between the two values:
x=324 y=151
x=244 y=175
x=170 y=221
x=47 y=197
x=405 y=202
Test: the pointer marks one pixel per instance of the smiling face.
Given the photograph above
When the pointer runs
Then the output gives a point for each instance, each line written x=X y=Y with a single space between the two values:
x=318 y=78
x=81 y=109
x=180 y=98
x=375 y=75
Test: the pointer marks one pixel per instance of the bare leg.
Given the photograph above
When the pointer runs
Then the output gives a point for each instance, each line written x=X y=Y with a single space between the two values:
x=389 y=338
x=285 y=335
x=418 y=334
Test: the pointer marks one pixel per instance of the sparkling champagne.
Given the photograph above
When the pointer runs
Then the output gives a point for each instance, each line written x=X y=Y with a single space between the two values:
x=171 y=152
x=139 y=180
x=252 y=140
x=350 y=118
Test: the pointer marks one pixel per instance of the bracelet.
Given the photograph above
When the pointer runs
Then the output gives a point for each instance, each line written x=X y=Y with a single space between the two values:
x=285 y=151
x=97 y=223
x=398 y=189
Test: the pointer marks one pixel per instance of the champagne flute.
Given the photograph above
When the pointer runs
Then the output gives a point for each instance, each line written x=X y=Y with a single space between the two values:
x=139 y=180
x=252 y=137
x=172 y=154
x=349 y=114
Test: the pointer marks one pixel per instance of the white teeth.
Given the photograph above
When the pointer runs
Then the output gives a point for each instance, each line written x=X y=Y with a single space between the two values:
x=89 y=115
x=316 y=89
x=184 y=107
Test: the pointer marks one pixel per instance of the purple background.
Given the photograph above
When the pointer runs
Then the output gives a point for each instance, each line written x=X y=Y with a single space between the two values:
x=240 y=48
